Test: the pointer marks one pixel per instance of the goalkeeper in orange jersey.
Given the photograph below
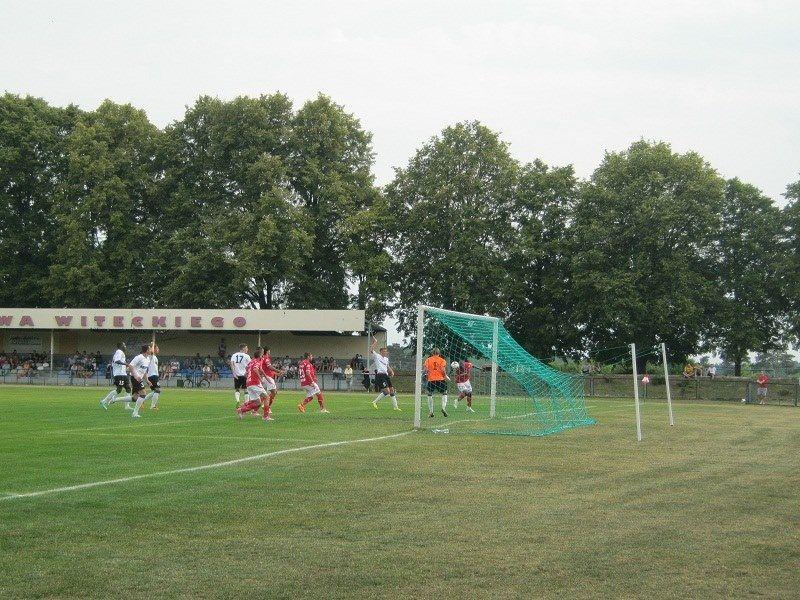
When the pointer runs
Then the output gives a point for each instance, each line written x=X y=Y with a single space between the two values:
x=435 y=368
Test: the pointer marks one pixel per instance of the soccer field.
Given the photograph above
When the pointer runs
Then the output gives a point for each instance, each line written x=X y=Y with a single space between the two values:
x=193 y=502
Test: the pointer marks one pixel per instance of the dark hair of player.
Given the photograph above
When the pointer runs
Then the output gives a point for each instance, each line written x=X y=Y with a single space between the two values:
x=306 y=354
x=242 y=347
x=121 y=345
x=145 y=348
x=258 y=352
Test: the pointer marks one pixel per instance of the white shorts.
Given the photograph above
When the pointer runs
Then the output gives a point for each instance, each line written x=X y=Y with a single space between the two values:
x=465 y=387
x=311 y=389
x=269 y=384
x=254 y=392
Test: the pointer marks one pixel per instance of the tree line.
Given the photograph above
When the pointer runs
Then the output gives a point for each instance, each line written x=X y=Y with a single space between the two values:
x=256 y=202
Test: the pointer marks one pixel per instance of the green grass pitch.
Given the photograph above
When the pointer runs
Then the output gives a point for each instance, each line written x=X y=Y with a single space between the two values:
x=708 y=508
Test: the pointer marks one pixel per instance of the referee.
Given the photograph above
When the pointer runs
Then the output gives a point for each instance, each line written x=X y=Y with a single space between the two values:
x=383 y=373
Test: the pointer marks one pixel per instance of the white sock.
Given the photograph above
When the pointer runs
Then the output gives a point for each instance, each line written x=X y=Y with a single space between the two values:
x=139 y=402
x=444 y=401
x=116 y=398
x=394 y=400
x=236 y=395
x=149 y=395
x=455 y=402
x=109 y=397
x=430 y=404
x=154 y=402
x=381 y=395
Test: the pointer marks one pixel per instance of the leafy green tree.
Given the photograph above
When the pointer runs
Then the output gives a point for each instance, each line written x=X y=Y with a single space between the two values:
x=454 y=208
x=539 y=305
x=367 y=255
x=32 y=163
x=790 y=266
x=748 y=252
x=241 y=238
x=99 y=210
x=330 y=171
x=643 y=258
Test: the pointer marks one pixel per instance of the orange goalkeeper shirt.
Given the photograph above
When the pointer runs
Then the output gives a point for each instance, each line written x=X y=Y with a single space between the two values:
x=435 y=366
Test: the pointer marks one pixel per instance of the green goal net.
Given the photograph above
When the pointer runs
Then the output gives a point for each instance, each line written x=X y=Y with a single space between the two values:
x=491 y=383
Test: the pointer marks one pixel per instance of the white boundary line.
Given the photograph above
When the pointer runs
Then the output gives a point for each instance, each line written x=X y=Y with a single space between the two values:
x=227 y=463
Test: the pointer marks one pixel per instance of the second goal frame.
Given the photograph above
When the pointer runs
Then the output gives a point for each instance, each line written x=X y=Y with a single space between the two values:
x=421 y=309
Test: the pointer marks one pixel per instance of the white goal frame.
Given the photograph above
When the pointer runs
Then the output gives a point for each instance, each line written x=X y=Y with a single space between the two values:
x=420 y=334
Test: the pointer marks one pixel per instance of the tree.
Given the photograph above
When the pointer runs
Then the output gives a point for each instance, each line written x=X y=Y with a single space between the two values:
x=370 y=265
x=643 y=255
x=330 y=170
x=750 y=296
x=246 y=240
x=790 y=265
x=539 y=305
x=454 y=203
x=32 y=164
x=99 y=210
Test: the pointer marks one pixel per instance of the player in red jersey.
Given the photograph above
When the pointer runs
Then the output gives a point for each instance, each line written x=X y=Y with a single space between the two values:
x=308 y=381
x=256 y=394
x=464 y=385
x=268 y=382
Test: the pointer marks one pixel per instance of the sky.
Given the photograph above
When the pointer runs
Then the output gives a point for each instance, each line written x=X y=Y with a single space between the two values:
x=562 y=81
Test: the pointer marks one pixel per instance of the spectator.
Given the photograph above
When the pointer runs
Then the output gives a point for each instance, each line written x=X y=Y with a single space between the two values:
x=337 y=373
x=688 y=371
x=763 y=381
x=222 y=350
x=712 y=371
x=348 y=377
x=365 y=380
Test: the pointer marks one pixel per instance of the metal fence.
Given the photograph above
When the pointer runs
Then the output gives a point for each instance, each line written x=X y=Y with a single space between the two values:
x=730 y=389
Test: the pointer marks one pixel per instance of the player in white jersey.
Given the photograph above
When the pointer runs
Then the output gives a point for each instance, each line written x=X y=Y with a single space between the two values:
x=239 y=361
x=383 y=375
x=119 y=372
x=138 y=368
x=152 y=377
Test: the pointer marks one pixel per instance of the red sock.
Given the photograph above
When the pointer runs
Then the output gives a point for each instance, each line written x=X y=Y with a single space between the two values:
x=266 y=408
x=246 y=407
x=321 y=400
x=307 y=400
x=461 y=396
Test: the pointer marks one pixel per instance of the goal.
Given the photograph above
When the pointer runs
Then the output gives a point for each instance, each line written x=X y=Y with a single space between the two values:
x=514 y=393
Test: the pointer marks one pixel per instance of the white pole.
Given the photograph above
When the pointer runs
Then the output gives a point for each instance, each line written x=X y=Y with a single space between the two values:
x=368 y=355
x=418 y=380
x=666 y=380
x=493 y=391
x=636 y=394
x=259 y=338
x=52 y=351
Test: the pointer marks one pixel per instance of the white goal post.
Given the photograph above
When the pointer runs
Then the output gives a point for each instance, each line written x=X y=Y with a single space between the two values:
x=421 y=309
